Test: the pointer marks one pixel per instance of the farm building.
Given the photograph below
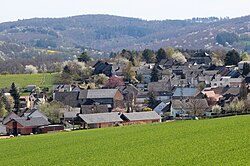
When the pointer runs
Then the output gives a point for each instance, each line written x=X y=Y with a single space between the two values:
x=141 y=117
x=100 y=120
x=25 y=126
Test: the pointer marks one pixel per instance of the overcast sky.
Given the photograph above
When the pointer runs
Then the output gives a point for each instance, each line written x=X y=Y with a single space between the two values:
x=12 y=10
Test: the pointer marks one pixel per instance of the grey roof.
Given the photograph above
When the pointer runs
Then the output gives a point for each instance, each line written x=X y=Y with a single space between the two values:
x=186 y=92
x=9 y=117
x=190 y=104
x=101 y=93
x=160 y=86
x=142 y=116
x=71 y=114
x=101 y=117
x=35 y=121
x=83 y=94
x=68 y=98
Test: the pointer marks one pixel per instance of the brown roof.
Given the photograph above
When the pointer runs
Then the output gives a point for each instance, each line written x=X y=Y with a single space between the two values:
x=211 y=94
x=226 y=90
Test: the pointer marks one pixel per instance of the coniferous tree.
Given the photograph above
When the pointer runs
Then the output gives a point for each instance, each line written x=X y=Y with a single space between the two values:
x=151 y=100
x=155 y=75
x=149 y=56
x=161 y=54
x=84 y=57
x=15 y=94
x=232 y=58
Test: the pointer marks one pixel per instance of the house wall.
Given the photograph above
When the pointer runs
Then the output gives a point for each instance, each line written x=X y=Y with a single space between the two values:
x=101 y=125
x=175 y=111
x=118 y=100
x=51 y=128
x=146 y=121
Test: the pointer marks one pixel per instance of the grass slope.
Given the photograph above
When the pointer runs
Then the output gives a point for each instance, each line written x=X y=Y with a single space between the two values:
x=209 y=142
x=22 y=80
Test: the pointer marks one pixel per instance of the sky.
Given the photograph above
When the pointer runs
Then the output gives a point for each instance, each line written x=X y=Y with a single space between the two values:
x=12 y=10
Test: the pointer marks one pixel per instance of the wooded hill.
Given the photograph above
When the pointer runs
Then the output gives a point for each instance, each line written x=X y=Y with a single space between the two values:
x=106 y=33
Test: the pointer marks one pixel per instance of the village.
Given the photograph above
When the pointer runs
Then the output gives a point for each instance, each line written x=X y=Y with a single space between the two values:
x=167 y=90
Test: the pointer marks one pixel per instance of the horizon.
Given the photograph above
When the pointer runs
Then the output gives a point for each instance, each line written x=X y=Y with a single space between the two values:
x=150 y=10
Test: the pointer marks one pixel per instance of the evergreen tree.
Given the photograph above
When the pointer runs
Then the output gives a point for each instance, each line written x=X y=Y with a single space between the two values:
x=161 y=54
x=155 y=75
x=151 y=100
x=232 y=58
x=148 y=55
x=246 y=69
x=15 y=94
x=84 y=57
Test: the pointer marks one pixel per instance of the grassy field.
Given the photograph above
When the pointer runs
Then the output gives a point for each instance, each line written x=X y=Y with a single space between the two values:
x=207 y=142
x=22 y=80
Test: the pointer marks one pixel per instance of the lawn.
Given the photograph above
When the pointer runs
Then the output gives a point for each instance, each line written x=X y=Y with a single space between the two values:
x=22 y=80
x=206 y=142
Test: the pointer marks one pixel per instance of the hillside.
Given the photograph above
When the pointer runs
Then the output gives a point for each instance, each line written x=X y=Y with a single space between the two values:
x=105 y=33
x=207 y=142
x=23 y=80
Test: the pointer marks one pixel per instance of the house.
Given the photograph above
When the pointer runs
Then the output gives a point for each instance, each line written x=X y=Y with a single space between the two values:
x=100 y=120
x=141 y=97
x=103 y=68
x=162 y=90
x=25 y=126
x=130 y=93
x=68 y=98
x=188 y=106
x=230 y=78
x=227 y=93
x=25 y=102
x=200 y=57
x=111 y=97
x=37 y=99
x=185 y=93
x=211 y=97
x=162 y=108
x=167 y=63
x=145 y=71
x=141 y=117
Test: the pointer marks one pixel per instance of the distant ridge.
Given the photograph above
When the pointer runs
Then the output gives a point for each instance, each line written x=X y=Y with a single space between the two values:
x=108 y=33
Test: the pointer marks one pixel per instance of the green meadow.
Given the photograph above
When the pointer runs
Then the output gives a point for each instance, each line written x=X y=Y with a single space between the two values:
x=22 y=80
x=224 y=141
